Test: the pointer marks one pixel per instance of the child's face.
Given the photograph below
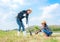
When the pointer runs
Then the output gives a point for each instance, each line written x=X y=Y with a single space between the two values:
x=43 y=24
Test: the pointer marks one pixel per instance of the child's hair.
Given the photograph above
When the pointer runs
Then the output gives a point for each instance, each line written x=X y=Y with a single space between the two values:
x=44 y=22
x=45 y=25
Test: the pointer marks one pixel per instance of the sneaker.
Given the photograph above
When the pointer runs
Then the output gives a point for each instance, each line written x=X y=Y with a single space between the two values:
x=18 y=33
x=24 y=33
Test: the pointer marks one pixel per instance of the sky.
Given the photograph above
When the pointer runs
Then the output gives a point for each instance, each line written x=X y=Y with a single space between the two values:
x=48 y=10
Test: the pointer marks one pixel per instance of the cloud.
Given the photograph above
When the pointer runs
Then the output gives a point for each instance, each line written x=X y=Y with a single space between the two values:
x=21 y=2
x=48 y=11
x=13 y=4
x=5 y=1
x=34 y=20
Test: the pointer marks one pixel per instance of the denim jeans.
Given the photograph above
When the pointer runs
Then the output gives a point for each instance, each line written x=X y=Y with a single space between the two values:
x=47 y=32
x=20 y=23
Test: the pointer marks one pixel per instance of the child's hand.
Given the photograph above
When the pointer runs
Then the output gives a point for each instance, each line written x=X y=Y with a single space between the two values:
x=37 y=31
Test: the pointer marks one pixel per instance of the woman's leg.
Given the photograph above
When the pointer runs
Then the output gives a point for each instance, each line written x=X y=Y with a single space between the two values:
x=19 y=24
x=23 y=28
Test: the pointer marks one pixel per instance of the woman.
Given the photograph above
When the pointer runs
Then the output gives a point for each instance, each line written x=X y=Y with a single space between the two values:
x=20 y=16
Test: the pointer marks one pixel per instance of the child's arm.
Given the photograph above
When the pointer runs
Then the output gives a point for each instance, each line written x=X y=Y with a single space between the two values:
x=37 y=31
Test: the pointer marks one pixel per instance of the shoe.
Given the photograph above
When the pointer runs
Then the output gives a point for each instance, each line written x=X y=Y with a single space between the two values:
x=18 y=33
x=24 y=33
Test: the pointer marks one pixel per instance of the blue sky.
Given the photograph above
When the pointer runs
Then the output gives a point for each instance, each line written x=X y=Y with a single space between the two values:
x=48 y=10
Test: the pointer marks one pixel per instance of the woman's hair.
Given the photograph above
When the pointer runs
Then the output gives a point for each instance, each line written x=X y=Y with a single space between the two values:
x=29 y=9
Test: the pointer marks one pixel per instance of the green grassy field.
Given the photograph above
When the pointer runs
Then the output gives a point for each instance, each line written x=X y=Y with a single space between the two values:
x=11 y=36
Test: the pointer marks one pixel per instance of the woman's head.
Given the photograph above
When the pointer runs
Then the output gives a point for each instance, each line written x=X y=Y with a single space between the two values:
x=29 y=11
x=43 y=23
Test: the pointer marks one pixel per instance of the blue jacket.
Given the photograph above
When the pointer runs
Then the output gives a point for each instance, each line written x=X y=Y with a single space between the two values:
x=21 y=15
x=47 y=30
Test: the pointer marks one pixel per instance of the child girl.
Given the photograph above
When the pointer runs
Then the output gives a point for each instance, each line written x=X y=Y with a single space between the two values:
x=45 y=29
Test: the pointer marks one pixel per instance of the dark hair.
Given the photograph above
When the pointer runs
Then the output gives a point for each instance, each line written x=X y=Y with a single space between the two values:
x=45 y=25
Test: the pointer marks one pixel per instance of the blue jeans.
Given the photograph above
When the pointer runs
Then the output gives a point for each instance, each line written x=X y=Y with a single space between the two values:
x=20 y=23
x=47 y=32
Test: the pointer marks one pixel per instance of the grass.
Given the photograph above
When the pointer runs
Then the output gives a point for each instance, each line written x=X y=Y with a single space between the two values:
x=11 y=36
x=55 y=28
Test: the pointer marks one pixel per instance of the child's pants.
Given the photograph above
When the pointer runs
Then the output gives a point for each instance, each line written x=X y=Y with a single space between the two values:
x=47 y=32
x=20 y=23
